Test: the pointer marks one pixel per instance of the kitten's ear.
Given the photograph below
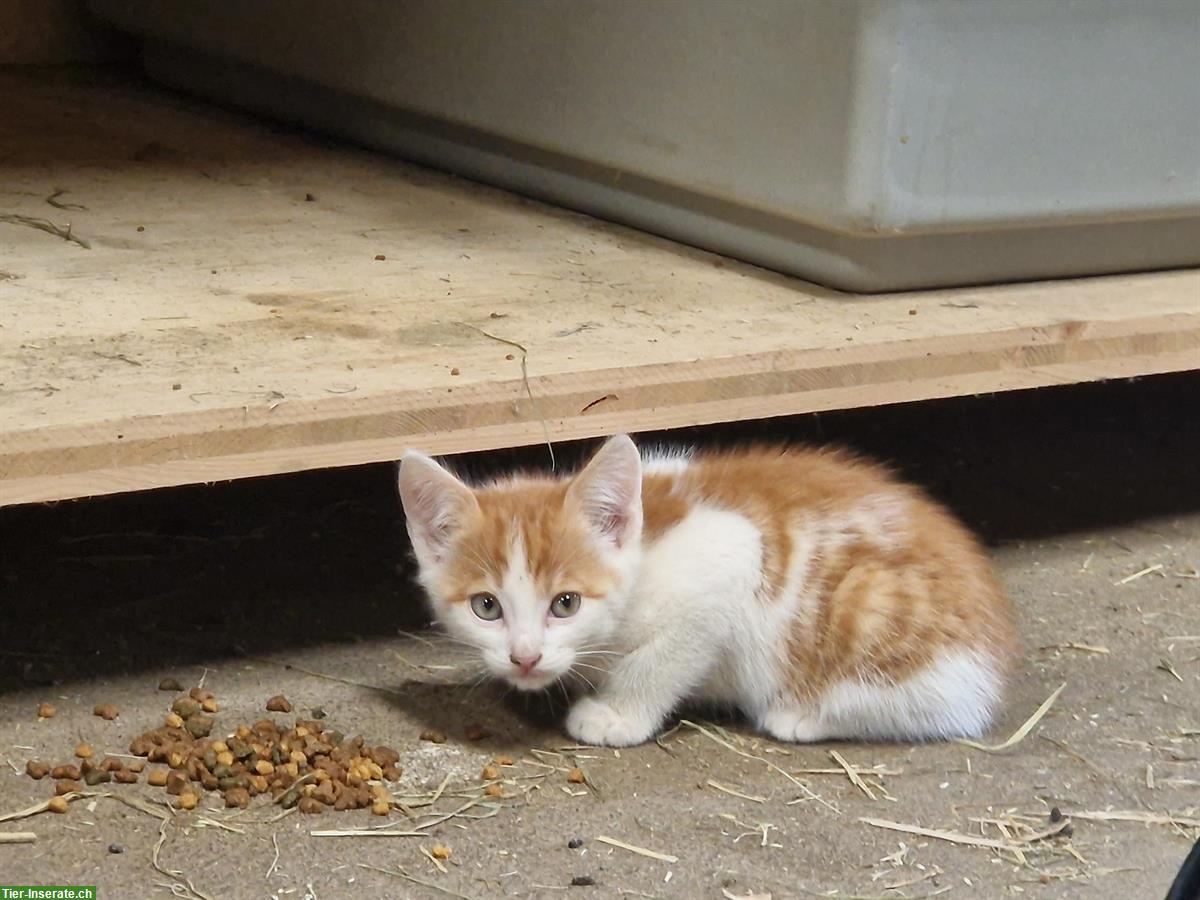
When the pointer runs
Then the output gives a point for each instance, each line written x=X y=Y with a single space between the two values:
x=609 y=491
x=436 y=506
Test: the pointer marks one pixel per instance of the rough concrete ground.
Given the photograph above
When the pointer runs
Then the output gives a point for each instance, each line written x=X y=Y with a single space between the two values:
x=291 y=586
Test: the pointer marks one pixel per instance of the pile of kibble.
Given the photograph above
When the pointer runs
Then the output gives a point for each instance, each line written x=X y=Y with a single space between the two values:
x=303 y=766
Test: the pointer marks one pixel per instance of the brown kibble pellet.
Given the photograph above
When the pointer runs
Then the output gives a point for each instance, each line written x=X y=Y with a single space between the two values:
x=311 y=805
x=454 y=371
x=46 y=710
x=279 y=703
x=110 y=764
x=326 y=793
x=504 y=760
x=177 y=783
x=238 y=796
x=157 y=778
x=141 y=746
x=440 y=851
x=135 y=765
x=433 y=736
x=199 y=725
x=170 y=684
x=66 y=786
x=576 y=776
x=36 y=770
x=186 y=707
x=210 y=705
x=83 y=751
x=125 y=776
x=379 y=257
x=173 y=720
x=489 y=773
x=58 y=805
x=188 y=800
x=200 y=694
x=392 y=773
x=105 y=711
x=380 y=808
x=67 y=770
x=176 y=760
x=494 y=790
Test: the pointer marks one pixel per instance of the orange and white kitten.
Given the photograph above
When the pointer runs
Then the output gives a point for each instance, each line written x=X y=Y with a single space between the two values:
x=810 y=590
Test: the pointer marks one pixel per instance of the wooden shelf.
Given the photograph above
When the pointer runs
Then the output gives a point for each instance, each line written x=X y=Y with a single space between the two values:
x=220 y=325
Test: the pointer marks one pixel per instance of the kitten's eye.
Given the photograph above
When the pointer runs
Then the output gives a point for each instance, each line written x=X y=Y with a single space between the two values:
x=566 y=604
x=486 y=607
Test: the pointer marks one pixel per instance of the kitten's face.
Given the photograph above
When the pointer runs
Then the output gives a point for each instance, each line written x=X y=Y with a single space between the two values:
x=533 y=574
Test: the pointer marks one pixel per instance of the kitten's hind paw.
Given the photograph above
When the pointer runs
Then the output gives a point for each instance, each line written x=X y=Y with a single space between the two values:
x=595 y=722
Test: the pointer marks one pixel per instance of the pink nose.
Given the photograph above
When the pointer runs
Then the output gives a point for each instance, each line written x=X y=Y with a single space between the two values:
x=524 y=663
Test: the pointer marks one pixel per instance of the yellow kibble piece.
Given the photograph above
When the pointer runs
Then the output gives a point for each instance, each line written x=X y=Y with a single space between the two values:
x=494 y=790
x=264 y=767
x=224 y=758
x=173 y=720
x=209 y=705
x=83 y=751
x=489 y=773
x=58 y=804
x=157 y=778
x=220 y=747
x=46 y=710
x=576 y=776
x=188 y=800
x=440 y=851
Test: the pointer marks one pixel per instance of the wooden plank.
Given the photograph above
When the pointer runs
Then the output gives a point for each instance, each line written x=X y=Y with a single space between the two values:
x=247 y=331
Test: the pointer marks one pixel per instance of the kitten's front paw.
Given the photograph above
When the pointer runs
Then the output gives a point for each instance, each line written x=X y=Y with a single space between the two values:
x=595 y=722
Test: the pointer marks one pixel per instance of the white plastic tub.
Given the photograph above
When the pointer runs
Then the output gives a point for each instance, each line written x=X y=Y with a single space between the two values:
x=865 y=144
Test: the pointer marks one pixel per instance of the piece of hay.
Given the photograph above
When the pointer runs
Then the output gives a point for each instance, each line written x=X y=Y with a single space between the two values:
x=640 y=851
x=712 y=736
x=400 y=873
x=17 y=837
x=854 y=777
x=1135 y=815
x=1021 y=733
x=734 y=792
x=954 y=837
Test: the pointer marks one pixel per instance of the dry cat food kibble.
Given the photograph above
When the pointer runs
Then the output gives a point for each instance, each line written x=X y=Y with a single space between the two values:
x=170 y=684
x=440 y=851
x=46 y=710
x=105 y=711
x=576 y=776
x=57 y=805
x=279 y=703
x=433 y=736
x=307 y=766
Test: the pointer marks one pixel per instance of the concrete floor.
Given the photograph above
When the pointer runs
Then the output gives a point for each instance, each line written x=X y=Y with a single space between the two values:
x=296 y=586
